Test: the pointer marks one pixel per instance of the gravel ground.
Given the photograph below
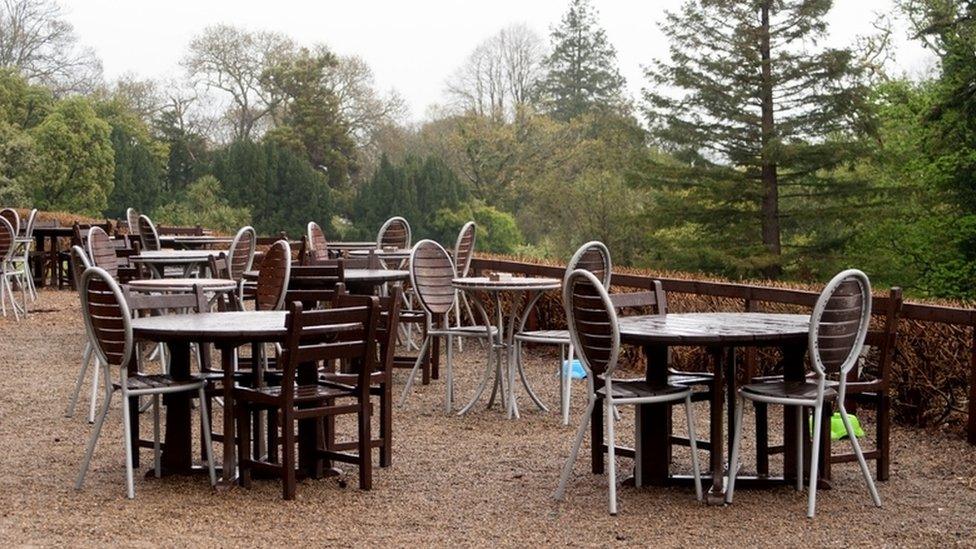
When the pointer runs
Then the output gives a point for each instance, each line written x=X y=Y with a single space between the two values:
x=455 y=480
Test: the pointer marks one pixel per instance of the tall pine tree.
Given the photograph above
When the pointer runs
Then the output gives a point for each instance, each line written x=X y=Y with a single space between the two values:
x=581 y=72
x=760 y=118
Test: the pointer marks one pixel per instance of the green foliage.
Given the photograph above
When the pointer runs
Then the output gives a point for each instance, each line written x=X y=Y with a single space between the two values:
x=581 y=71
x=279 y=187
x=140 y=161
x=75 y=160
x=496 y=230
x=187 y=156
x=17 y=158
x=204 y=203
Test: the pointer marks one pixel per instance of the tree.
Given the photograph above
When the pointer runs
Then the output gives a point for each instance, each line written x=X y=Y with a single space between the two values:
x=760 y=119
x=204 y=203
x=37 y=42
x=233 y=61
x=75 y=161
x=361 y=106
x=581 y=72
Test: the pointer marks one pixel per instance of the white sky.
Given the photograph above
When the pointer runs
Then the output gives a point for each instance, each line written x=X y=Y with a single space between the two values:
x=412 y=46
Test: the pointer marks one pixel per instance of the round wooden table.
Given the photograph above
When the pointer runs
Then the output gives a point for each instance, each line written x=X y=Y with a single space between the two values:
x=395 y=254
x=195 y=241
x=226 y=331
x=527 y=288
x=720 y=334
x=359 y=281
x=158 y=260
x=182 y=285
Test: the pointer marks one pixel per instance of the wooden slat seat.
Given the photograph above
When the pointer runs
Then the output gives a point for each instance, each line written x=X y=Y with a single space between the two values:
x=302 y=393
x=788 y=389
x=639 y=388
x=143 y=382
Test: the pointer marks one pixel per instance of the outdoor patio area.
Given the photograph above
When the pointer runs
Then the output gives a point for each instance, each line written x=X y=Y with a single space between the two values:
x=478 y=479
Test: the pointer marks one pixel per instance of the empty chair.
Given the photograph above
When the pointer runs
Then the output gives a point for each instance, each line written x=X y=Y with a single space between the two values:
x=11 y=271
x=13 y=217
x=838 y=327
x=395 y=232
x=463 y=254
x=108 y=323
x=273 y=276
x=132 y=220
x=431 y=273
x=79 y=264
x=238 y=260
x=301 y=396
x=101 y=251
x=148 y=234
x=318 y=247
x=595 y=334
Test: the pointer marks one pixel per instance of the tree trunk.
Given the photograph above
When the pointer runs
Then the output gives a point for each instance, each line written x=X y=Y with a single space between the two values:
x=770 y=201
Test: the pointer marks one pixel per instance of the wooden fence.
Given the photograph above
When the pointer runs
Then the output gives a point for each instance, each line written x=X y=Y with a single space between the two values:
x=935 y=359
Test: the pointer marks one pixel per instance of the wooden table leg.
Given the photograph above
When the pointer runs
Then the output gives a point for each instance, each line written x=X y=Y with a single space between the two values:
x=792 y=371
x=716 y=421
x=228 y=475
x=177 y=454
x=310 y=434
x=653 y=452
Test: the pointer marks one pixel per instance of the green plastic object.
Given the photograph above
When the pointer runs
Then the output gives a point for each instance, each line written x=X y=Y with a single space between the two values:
x=837 y=430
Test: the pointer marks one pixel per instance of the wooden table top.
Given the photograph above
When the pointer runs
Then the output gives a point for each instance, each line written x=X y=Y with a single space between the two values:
x=175 y=256
x=358 y=275
x=715 y=328
x=232 y=328
x=514 y=283
x=182 y=284
x=196 y=239
x=399 y=253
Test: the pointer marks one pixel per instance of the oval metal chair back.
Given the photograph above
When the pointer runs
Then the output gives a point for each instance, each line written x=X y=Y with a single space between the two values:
x=7 y=236
x=29 y=227
x=273 y=278
x=148 y=234
x=240 y=255
x=101 y=251
x=431 y=273
x=107 y=317
x=464 y=248
x=592 y=322
x=132 y=218
x=13 y=217
x=839 y=324
x=395 y=232
x=318 y=246
x=595 y=258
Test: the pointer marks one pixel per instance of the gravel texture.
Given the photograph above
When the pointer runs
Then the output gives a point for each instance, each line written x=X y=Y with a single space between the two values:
x=472 y=480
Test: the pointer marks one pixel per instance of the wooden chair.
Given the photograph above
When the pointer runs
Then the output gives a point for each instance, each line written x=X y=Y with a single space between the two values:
x=313 y=338
x=838 y=327
x=107 y=320
x=148 y=236
x=381 y=380
x=394 y=232
x=318 y=247
x=431 y=272
x=595 y=334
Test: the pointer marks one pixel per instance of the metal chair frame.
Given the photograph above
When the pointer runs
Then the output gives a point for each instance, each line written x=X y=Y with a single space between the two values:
x=10 y=271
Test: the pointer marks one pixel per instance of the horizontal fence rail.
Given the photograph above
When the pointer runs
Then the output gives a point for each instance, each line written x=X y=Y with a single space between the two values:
x=946 y=366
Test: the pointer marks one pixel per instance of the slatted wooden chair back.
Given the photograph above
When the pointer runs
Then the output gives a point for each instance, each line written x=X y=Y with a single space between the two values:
x=240 y=255
x=885 y=339
x=315 y=284
x=132 y=219
x=107 y=316
x=318 y=246
x=840 y=322
x=431 y=272
x=651 y=302
x=594 y=257
x=339 y=333
x=101 y=251
x=13 y=217
x=464 y=248
x=31 y=221
x=592 y=322
x=79 y=263
x=395 y=232
x=7 y=236
x=273 y=276
x=148 y=234
x=386 y=327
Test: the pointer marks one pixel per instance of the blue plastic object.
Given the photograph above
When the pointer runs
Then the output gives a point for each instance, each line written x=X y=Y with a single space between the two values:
x=574 y=369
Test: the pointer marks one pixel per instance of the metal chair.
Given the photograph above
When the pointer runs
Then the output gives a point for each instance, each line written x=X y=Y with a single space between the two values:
x=838 y=327
x=273 y=277
x=463 y=254
x=431 y=273
x=394 y=232
x=318 y=246
x=148 y=234
x=132 y=220
x=11 y=270
x=108 y=323
x=238 y=260
x=80 y=264
x=595 y=334
x=13 y=217
x=594 y=257
x=22 y=255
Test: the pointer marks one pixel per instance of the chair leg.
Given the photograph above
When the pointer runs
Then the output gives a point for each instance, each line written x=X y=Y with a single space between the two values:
x=86 y=358
x=243 y=444
x=574 y=451
x=157 y=465
x=288 y=480
x=413 y=372
x=611 y=454
x=762 y=438
x=94 y=438
x=567 y=399
x=692 y=439
x=860 y=455
x=94 y=391
x=127 y=438
x=736 y=447
x=562 y=380
x=883 y=436
x=815 y=460
x=449 y=393
x=207 y=439
x=596 y=436
x=386 y=425
x=799 y=448
x=366 y=445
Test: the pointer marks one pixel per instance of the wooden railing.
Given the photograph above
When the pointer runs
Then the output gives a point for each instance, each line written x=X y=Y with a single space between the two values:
x=751 y=295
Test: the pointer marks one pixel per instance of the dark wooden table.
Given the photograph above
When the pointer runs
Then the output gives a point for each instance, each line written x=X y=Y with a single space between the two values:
x=720 y=334
x=359 y=281
x=158 y=260
x=194 y=242
x=48 y=257
x=227 y=332
x=180 y=285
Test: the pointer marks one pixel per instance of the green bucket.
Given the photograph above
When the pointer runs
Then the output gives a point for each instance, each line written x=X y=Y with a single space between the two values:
x=837 y=430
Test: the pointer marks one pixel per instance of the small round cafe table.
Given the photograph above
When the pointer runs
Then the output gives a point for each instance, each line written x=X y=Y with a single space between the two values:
x=505 y=363
x=182 y=285
x=158 y=260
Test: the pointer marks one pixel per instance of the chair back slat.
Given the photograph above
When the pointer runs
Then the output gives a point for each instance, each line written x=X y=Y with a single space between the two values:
x=431 y=273
x=840 y=321
x=148 y=234
x=464 y=248
x=107 y=316
x=7 y=235
x=142 y=304
x=273 y=276
x=315 y=284
x=240 y=255
x=595 y=258
x=318 y=246
x=101 y=251
x=653 y=299
x=13 y=217
x=394 y=232
x=592 y=322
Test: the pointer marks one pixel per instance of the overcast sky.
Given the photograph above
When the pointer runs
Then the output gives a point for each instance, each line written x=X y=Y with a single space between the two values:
x=412 y=46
